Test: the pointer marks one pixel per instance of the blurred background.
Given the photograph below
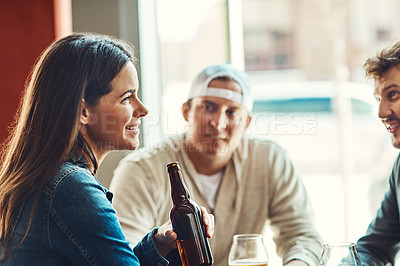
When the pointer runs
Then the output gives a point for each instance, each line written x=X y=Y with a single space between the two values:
x=305 y=58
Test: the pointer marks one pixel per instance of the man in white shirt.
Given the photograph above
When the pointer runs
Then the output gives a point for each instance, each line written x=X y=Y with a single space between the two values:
x=245 y=182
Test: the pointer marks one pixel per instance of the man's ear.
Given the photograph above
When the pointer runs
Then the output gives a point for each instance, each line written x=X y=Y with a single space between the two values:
x=84 y=118
x=249 y=117
x=185 y=111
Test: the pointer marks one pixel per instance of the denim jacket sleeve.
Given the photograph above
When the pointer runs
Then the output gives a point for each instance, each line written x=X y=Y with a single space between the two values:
x=84 y=228
x=382 y=241
x=146 y=251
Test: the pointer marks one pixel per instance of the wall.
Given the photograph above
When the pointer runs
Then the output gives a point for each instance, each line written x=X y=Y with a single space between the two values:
x=112 y=17
x=27 y=27
x=100 y=16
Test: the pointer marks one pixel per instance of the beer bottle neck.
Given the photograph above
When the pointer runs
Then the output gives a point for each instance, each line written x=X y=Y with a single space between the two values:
x=179 y=191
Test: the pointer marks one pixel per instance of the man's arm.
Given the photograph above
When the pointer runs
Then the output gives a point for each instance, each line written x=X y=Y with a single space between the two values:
x=291 y=215
x=138 y=197
x=382 y=240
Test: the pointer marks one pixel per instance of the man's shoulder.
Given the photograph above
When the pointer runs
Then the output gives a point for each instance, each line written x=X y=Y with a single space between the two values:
x=397 y=161
x=260 y=142
x=148 y=161
x=168 y=147
x=261 y=148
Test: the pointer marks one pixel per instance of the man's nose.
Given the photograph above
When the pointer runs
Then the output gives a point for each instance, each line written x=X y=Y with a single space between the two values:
x=384 y=109
x=219 y=120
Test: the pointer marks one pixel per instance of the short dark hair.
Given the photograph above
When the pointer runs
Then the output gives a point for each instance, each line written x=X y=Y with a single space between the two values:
x=387 y=58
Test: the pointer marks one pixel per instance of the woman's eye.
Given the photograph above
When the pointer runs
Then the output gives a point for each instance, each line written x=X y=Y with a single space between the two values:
x=127 y=99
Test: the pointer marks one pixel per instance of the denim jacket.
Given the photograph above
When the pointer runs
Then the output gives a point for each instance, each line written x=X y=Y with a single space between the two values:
x=75 y=224
x=381 y=243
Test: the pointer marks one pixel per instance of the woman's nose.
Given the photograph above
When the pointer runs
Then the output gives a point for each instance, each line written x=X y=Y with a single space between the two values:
x=139 y=109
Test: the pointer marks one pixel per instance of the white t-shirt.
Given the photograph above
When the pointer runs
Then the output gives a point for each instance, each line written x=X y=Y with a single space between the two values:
x=210 y=186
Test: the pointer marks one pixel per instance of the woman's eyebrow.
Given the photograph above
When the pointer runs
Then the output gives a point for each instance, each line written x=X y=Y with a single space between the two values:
x=128 y=91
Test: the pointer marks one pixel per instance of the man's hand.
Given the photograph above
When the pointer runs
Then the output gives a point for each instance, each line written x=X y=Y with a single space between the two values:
x=296 y=263
x=165 y=238
x=208 y=220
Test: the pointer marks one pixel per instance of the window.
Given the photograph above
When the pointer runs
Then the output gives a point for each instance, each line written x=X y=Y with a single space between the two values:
x=301 y=51
x=193 y=34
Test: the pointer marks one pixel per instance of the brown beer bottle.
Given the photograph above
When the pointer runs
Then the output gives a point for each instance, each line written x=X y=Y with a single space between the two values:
x=187 y=222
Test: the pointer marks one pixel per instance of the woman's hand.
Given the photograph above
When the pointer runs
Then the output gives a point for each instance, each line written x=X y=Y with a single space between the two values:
x=165 y=238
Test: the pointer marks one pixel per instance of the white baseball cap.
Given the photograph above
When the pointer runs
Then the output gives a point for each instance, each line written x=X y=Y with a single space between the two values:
x=200 y=85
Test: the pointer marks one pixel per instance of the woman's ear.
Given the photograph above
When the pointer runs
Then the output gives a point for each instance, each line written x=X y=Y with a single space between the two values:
x=84 y=118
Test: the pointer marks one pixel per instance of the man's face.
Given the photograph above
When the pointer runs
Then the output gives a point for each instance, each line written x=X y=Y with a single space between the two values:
x=216 y=125
x=387 y=93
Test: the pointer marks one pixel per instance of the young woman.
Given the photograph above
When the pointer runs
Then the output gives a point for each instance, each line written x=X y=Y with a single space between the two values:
x=80 y=103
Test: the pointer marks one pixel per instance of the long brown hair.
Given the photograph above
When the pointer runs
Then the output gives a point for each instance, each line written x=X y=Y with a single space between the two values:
x=46 y=131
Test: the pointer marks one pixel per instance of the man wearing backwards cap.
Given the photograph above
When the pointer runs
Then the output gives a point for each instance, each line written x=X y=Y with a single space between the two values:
x=243 y=181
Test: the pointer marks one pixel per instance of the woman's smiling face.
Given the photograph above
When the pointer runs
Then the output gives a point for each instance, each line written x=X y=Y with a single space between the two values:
x=113 y=124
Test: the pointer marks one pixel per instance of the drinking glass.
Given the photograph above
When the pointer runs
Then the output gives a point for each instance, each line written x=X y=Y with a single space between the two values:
x=340 y=253
x=249 y=250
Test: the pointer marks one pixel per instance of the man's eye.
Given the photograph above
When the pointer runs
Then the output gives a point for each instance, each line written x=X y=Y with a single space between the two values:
x=230 y=112
x=392 y=94
x=208 y=107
